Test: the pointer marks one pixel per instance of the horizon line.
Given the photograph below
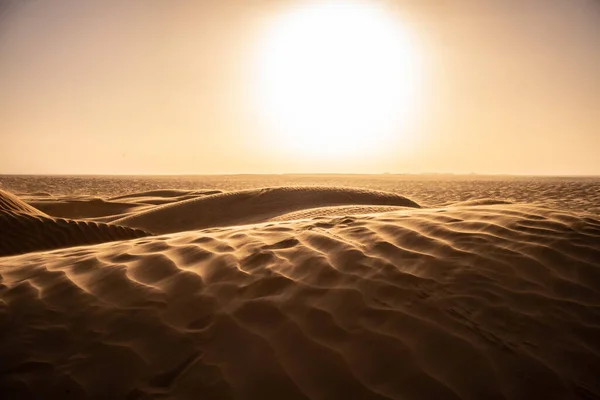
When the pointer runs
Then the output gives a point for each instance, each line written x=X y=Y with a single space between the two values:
x=308 y=173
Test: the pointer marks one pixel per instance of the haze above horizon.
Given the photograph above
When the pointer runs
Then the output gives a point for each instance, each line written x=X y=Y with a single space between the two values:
x=154 y=87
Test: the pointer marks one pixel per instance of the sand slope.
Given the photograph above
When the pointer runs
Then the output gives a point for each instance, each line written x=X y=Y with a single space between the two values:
x=472 y=302
x=11 y=203
x=165 y=193
x=25 y=229
x=319 y=212
x=106 y=209
x=84 y=208
x=251 y=206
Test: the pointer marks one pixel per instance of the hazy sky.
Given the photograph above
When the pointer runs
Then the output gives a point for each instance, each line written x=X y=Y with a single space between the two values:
x=164 y=87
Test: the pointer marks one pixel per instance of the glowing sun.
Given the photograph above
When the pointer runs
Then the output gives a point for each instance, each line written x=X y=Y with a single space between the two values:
x=336 y=78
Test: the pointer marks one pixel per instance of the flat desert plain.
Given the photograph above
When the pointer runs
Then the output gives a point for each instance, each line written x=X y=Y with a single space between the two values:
x=299 y=287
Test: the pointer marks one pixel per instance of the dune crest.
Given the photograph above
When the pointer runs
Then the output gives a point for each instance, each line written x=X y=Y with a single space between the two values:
x=166 y=193
x=323 y=212
x=24 y=233
x=24 y=229
x=252 y=206
x=11 y=203
x=83 y=208
x=474 y=302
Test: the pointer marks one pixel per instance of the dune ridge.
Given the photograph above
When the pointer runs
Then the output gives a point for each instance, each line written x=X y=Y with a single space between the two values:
x=83 y=208
x=24 y=232
x=466 y=302
x=251 y=206
x=24 y=229
x=166 y=193
x=11 y=203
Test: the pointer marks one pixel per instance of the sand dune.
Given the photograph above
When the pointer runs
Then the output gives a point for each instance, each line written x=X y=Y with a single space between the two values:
x=319 y=212
x=11 y=203
x=251 y=206
x=25 y=229
x=166 y=193
x=468 y=302
x=24 y=232
x=83 y=208
x=108 y=209
x=479 y=202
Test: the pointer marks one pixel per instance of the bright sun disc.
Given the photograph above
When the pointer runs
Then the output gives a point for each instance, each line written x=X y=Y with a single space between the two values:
x=336 y=79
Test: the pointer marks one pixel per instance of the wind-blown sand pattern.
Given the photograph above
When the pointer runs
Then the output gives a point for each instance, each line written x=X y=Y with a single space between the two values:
x=478 y=300
x=84 y=208
x=336 y=210
x=25 y=229
x=11 y=203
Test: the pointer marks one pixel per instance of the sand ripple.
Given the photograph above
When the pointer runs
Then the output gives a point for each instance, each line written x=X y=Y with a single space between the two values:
x=471 y=302
x=318 y=212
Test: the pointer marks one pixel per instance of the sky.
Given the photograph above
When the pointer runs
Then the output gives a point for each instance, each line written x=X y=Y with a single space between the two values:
x=169 y=87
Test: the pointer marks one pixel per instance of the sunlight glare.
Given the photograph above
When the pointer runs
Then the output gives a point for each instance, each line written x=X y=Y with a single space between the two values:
x=337 y=79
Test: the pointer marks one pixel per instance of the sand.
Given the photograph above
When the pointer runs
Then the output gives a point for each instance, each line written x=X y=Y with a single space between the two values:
x=299 y=293
x=25 y=229
x=251 y=206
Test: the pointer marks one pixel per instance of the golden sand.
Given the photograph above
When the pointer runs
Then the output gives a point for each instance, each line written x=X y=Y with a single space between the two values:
x=297 y=293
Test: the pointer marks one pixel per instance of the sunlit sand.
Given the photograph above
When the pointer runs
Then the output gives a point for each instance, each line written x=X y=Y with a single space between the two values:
x=305 y=292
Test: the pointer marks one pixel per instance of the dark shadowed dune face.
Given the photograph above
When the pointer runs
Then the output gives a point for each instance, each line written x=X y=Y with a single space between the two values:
x=11 y=203
x=25 y=229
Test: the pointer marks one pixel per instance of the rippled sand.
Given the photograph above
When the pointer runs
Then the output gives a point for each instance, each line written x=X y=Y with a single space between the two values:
x=308 y=293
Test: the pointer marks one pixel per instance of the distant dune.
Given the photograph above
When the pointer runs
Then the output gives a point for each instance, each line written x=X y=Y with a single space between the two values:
x=166 y=194
x=251 y=206
x=298 y=293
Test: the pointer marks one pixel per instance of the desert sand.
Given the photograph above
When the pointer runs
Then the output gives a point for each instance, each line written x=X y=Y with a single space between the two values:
x=235 y=291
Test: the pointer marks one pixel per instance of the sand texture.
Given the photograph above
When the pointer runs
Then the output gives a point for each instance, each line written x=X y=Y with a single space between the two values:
x=297 y=293
x=251 y=206
x=311 y=213
x=24 y=229
x=11 y=203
